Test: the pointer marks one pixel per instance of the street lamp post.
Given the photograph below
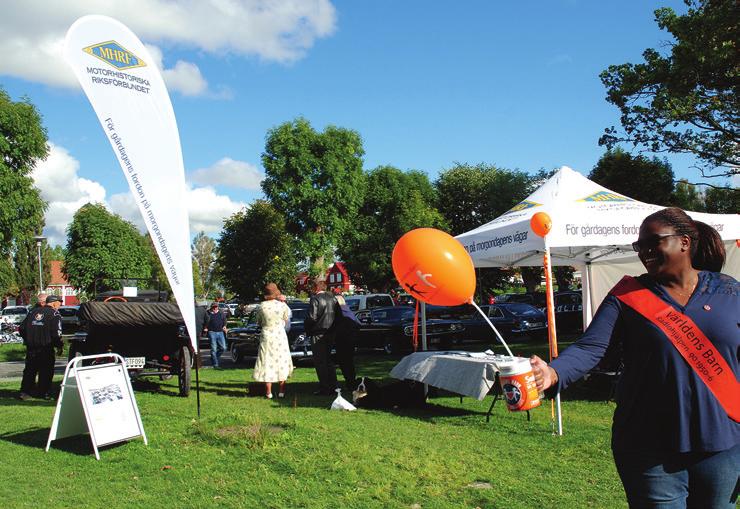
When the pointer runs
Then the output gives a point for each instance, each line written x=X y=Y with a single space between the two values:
x=39 y=240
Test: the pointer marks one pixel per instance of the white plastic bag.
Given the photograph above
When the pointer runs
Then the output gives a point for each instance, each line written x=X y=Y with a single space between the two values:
x=342 y=404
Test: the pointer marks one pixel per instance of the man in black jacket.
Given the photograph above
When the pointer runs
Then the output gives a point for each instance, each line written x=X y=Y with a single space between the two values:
x=42 y=333
x=319 y=324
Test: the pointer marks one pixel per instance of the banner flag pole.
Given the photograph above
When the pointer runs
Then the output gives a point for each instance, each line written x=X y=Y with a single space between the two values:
x=552 y=337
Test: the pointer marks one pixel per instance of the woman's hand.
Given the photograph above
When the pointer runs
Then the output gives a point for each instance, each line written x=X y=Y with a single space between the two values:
x=544 y=375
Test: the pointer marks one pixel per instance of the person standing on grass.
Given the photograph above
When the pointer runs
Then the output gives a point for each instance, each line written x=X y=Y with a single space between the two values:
x=675 y=434
x=319 y=324
x=42 y=333
x=274 y=362
x=214 y=324
x=346 y=325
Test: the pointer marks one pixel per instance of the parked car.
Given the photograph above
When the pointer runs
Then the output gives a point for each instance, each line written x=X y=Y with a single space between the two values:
x=392 y=329
x=369 y=301
x=70 y=318
x=151 y=336
x=13 y=314
x=244 y=341
x=515 y=321
x=568 y=307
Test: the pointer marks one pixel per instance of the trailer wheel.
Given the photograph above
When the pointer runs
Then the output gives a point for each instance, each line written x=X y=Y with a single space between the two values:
x=183 y=374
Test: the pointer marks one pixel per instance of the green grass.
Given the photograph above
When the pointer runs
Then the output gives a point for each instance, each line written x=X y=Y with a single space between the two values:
x=295 y=453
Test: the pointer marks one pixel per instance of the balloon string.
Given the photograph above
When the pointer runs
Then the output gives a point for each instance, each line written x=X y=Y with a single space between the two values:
x=415 y=337
x=494 y=328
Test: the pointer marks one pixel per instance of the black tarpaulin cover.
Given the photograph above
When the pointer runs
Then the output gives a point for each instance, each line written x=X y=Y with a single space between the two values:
x=130 y=313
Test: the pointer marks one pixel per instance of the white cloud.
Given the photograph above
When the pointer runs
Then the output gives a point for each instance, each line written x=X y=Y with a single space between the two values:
x=66 y=192
x=207 y=209
x=230 y=173
x=185 y=77
x=56 y=178
x=32 y=33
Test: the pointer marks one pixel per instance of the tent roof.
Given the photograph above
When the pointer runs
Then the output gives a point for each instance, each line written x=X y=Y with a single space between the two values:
x=590 y=224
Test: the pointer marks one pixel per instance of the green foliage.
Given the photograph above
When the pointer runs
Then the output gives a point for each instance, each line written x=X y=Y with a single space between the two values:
x=159 y=279
x=315 y=179
x=687 y=197
x=254 y=248
x=8 y=286
x=685 y=101
x=204 y=256
x=22 y=145
x=395 y=202
x=637 y=177
x=103 y=245
x=56 y=253
x=722 y=201
x=470 y=196
x=26 y=264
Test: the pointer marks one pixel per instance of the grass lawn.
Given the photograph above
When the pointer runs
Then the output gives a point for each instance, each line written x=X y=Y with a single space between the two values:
x=295 y=453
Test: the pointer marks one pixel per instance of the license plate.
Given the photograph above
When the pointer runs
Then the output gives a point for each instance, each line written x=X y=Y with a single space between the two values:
x=135 y=362
x=538 y=324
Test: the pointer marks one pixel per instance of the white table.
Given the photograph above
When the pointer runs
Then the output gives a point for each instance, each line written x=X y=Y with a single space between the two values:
x=466 y=373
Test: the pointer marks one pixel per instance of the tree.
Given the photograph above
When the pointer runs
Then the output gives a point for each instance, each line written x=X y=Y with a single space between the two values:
x=255 y=248
x=395 y=202
x=639 y=178
x=722 y=201
x=204 y=255
x=26 y=265
x=687 y=197
x=22 y=145
x=470 y=196
x=103 y=245
x=57 y=253
x=315 y=179
x=684 y=102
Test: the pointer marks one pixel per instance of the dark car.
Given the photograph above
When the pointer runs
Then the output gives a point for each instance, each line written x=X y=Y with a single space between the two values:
x=568 y=307
x=244 y=341
x=515 y=321
x=151 y=336
x=392 y=329
x=70 y=320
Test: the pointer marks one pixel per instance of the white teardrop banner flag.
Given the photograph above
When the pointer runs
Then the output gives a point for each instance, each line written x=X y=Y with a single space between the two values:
x=129 y=97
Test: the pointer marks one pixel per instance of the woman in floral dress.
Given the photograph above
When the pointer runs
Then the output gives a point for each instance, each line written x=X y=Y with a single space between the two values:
x=274 y=363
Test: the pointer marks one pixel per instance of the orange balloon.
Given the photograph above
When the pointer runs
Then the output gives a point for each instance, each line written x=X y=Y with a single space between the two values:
x=541 y=224
x=434 y=267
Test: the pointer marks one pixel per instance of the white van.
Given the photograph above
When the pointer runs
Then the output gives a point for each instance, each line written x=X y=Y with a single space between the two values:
x=369 y=301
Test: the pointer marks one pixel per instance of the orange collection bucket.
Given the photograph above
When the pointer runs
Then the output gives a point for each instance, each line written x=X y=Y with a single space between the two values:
x=518 y=385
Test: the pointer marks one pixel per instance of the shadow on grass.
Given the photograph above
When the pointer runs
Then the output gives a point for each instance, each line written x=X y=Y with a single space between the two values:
x=36 y=439
x=9 y=397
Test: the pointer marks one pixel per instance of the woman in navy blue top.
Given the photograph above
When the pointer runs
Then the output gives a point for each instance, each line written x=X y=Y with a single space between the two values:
x=673 y=443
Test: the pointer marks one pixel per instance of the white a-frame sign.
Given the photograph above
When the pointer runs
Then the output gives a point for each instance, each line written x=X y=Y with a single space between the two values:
x=97 y=399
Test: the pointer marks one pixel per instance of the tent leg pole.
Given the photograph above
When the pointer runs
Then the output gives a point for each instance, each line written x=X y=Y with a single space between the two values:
x=197 y=381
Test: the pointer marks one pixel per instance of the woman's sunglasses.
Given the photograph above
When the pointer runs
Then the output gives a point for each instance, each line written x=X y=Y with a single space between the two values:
x=652 y=242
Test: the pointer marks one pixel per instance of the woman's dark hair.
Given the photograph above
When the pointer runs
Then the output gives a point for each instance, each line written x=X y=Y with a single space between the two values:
x=707 y=249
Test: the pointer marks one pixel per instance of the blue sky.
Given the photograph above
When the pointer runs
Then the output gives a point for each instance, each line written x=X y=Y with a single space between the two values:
x=426 y=84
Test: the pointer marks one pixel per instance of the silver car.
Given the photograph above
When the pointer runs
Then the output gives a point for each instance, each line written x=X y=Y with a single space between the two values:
x=13 y=314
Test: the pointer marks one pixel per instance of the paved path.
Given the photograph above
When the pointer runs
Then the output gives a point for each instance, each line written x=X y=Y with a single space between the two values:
x=14 y=369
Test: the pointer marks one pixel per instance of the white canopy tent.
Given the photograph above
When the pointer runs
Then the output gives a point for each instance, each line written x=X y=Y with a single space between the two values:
x=592 y=229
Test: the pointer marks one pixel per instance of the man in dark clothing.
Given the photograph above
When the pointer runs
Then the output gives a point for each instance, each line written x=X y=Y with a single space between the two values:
x=346 y=325
x=319 y=324
x=214 y=324
x=42 y=333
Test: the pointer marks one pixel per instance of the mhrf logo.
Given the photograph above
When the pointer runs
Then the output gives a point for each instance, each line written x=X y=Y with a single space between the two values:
x=115 y=55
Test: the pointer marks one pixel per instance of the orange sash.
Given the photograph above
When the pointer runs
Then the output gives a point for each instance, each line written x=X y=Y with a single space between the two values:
x=689 y=340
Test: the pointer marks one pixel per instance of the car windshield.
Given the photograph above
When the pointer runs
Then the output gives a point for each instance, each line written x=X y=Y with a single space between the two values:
x=353 y=304
x=67 y=311
x=378 y=301
x=522 y=309
x=15 y=311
